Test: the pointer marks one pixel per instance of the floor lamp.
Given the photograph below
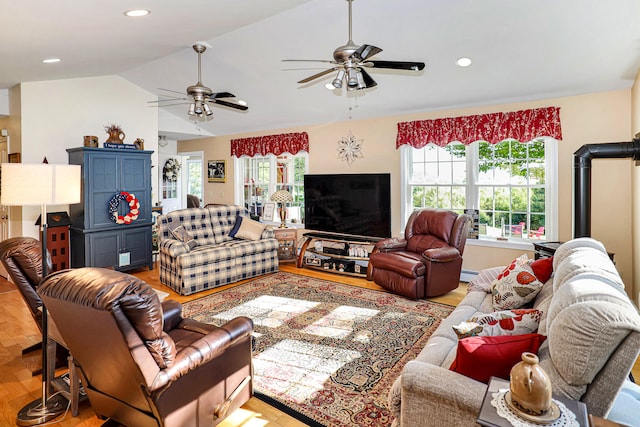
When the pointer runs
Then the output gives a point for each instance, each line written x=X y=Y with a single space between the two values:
x=41 y=184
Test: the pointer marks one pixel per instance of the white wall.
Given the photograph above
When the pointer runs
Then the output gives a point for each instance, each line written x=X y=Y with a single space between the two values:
x=55 y=115
x=4 y=102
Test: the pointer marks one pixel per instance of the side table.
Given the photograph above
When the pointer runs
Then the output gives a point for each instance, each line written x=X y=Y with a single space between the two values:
x=488 y=416
x=287 y=238
x=548 y=249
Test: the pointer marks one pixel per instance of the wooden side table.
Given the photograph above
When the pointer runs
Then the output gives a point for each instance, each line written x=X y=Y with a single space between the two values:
x=601 y=422
x=287 y=238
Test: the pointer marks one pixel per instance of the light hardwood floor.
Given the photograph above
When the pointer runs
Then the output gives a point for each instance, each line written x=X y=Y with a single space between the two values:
x=17 y=331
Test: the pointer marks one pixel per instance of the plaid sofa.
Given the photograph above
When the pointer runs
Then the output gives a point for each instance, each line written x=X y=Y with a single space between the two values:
x=217 y=259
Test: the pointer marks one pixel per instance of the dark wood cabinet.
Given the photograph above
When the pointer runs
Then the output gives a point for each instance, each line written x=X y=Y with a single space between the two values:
x=97 y=240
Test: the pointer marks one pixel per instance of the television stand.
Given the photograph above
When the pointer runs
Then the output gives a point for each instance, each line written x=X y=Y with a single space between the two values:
x=337 y=253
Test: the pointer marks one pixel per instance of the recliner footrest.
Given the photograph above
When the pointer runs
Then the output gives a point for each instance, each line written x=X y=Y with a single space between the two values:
x=399 y=263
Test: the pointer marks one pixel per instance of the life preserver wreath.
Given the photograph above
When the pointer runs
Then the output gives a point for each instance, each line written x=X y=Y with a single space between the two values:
x=134 y=208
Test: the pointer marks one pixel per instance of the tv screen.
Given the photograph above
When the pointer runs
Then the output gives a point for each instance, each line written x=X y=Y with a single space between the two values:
x=356 y=204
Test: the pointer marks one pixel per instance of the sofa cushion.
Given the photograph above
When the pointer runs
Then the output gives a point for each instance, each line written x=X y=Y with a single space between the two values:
x=181 y=234
x=247 y=229
x=542 y=268
x=223 y=218
x=589 y=316
x=542 y=302
x=481 y=358
x=516 y=285
x=505 y=322
x=585 y=324
x=196 y=221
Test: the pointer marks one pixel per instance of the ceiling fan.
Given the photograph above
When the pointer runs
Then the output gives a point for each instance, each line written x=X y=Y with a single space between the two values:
x=351 y=61
x=200 y=96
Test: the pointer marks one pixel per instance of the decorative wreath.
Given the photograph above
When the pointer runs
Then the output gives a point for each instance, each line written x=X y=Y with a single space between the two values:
x=134 y=208
x=170 y=170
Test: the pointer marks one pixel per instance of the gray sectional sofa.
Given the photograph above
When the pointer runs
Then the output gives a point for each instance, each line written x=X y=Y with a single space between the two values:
x=213 y=258
x=593 y=340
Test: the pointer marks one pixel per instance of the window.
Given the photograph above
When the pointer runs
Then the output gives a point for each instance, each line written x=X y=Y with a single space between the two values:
x=194 y=184
x=260 y=177
x=509 y=183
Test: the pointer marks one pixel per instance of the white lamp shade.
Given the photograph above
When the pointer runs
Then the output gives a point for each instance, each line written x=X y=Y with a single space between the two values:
x=66 y=184
x=39 y=184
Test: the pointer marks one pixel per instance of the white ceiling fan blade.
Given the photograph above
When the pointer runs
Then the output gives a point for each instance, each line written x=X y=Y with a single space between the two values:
x=169 y=90
x=320 y=74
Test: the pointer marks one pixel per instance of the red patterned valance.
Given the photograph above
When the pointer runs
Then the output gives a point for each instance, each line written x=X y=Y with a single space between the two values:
x=523 y=126
x=291 y=143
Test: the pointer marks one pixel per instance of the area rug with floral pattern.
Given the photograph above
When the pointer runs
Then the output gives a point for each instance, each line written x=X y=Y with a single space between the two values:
x=325 y=352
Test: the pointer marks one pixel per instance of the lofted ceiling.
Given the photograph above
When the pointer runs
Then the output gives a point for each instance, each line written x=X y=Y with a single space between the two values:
x=521 y=50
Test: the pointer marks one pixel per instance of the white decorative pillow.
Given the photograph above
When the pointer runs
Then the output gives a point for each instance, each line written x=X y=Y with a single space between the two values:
x=516 y=285
x=247 y=229
x=506 y=322
x=181 y=233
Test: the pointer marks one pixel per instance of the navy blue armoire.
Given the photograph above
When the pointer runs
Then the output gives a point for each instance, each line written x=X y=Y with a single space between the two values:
x=96 y=239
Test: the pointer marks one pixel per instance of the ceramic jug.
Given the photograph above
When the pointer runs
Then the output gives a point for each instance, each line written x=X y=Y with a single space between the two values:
x=530 y=386
x=116 y=136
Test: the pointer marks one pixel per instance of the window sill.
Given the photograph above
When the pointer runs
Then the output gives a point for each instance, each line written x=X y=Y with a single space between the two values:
x=503 y=244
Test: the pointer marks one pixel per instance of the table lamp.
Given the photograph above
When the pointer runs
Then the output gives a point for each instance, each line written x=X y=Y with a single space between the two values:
x=282 y=197
x=40 y=185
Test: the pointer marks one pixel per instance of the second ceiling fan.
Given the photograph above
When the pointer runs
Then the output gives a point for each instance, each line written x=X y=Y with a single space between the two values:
x=351 y=60
x=200 y=96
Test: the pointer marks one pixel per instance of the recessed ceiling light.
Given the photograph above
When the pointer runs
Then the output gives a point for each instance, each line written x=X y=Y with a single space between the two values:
x=463 y=62
x=51 y=60
x=137 y=12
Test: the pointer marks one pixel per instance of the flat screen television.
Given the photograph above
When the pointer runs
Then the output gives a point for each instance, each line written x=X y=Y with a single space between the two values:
x=354 y=204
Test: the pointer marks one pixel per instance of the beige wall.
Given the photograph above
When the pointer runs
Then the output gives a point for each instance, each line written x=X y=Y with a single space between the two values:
x=594 y=118
x=635 y=229
x=50 y=116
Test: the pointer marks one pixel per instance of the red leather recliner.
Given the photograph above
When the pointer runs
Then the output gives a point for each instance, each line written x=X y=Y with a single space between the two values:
x=141 y=363
x=428 y=260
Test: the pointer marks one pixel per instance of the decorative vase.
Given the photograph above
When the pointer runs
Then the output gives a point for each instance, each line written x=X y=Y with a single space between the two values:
x=530 y=386
x=116 y=136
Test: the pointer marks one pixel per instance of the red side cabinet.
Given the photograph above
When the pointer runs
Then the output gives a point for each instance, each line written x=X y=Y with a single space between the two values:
x=58 y=239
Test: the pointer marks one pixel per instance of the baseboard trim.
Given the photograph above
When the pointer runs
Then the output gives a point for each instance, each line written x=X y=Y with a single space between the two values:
x=467 y=275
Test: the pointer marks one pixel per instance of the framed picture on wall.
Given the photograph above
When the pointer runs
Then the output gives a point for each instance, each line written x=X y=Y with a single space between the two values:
x=217 y=170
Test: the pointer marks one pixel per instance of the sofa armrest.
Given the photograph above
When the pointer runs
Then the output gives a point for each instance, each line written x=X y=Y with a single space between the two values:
x=391 y=244
x=268 y=233
x=444 y=254
x=435 y=396
x=173 y=247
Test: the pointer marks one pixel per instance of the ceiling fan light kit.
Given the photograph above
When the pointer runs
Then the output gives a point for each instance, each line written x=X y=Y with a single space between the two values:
x=350 y=60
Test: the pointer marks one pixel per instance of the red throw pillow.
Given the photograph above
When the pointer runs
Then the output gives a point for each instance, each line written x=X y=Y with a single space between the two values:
x=542 y=268
x=482 y=357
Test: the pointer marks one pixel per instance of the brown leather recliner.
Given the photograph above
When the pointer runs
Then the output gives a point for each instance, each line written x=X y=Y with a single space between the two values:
x=427 y=262
x=22 y=258
x=141 y=363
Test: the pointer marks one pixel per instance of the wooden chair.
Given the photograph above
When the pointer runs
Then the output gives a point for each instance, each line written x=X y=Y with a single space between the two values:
x=536 y=234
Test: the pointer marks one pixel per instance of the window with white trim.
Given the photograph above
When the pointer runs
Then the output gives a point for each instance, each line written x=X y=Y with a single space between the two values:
x=510 y=183
x=261 y=176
